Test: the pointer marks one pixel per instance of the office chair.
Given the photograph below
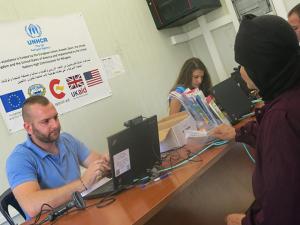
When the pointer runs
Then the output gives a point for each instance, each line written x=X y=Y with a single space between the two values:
x=6 y=199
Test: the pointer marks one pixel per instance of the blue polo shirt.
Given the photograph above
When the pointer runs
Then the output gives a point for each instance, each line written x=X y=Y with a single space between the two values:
x=28 y=162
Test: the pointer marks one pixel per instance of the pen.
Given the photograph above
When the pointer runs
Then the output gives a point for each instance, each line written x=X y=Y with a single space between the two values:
x=163 y=176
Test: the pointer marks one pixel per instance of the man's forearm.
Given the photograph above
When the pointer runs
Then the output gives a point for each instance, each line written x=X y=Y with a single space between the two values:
x=32 y=201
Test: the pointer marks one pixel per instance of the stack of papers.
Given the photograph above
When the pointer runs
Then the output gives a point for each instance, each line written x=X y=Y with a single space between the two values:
x=206 y=114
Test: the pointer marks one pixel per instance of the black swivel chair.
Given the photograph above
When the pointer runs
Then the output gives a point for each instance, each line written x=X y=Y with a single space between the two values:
x=6 y=199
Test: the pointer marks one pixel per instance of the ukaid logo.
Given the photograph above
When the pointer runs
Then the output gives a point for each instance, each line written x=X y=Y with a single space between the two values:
x=36 y=89
x=76 y=85
x=34 y=31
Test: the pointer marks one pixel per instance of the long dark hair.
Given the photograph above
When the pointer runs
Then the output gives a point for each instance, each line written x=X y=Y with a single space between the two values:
x=185 y=75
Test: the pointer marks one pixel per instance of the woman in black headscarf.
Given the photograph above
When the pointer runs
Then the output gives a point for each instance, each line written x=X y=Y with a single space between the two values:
x=267 y=48
x=268 y=51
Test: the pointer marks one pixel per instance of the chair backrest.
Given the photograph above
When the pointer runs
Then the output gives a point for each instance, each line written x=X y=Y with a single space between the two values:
x=6 y=199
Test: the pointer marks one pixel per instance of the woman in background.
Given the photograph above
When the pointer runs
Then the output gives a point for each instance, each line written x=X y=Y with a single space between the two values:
x=193 y=74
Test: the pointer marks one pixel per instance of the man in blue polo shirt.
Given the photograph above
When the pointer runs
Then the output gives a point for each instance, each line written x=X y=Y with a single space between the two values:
x=46 y=167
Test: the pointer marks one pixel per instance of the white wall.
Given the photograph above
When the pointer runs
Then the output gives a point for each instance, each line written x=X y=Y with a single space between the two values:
x=289 y=4
x=116 y=27
x=200 y=50
x=213 y=39
x=224 y=38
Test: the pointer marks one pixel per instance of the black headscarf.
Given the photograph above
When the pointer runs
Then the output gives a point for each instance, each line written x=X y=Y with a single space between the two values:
x=268 y=49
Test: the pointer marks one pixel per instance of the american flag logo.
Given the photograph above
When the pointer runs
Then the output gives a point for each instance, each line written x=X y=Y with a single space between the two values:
x=75 y=81
x=93 y=77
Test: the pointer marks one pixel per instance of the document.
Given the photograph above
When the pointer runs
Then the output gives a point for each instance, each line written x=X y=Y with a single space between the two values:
x=198 y=137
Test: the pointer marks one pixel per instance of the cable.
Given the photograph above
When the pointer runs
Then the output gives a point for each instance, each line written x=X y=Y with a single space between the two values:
x=154 y=174
x=257 y=100
x=105 y=201
x=190 y=154
x=247 y=115
x=216 y=143
x=248 y=153
x=38 y=216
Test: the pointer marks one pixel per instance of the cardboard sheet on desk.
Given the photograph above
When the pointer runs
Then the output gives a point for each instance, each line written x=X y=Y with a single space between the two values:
x=170 y=121
x=167 y=123
x=163 y=134
x=174 y=136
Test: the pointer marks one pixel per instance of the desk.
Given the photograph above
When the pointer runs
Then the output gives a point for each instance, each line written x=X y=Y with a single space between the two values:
x=138 y=205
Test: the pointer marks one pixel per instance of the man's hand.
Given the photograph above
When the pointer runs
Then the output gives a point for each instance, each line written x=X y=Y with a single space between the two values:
x=97 y=166
x=93 y=173
x=223 y=131
x=234 y=219
x=105 y=161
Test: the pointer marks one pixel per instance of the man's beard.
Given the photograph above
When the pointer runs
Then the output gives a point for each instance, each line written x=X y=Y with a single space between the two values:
x=50 y=138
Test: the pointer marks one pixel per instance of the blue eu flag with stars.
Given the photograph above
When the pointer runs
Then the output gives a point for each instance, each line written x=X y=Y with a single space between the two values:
x=13 y=100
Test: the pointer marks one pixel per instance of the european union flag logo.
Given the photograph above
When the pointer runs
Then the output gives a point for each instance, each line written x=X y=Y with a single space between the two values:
x=13 y=101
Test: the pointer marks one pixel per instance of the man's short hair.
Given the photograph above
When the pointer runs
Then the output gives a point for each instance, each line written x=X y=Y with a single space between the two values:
x=37 y=99
x=296 y=10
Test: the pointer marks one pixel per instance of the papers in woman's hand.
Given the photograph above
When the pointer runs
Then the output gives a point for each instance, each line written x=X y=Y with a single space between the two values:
x=198 y=137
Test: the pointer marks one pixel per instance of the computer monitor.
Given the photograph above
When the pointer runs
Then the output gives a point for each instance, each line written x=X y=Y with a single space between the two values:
x=232 y=99
x=120 y=147
x=135 y=151
x=146 y=146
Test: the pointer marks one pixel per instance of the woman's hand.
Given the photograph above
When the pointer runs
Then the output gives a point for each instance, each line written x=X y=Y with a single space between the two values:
x=224 y=132
x=234 y=219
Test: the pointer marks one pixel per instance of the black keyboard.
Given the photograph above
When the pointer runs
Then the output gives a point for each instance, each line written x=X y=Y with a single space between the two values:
x=101 y=191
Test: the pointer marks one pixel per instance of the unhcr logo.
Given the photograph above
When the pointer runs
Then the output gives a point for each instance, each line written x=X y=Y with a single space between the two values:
x=33 y=31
